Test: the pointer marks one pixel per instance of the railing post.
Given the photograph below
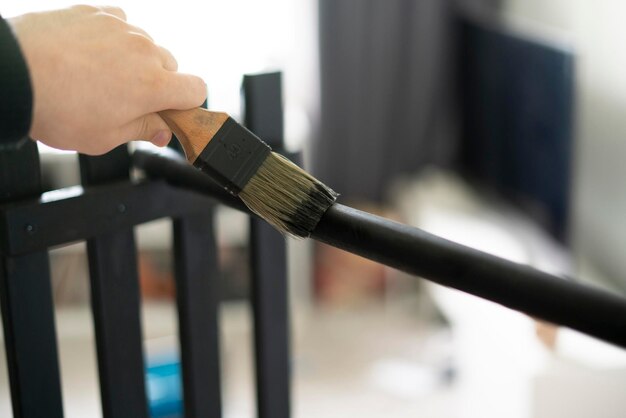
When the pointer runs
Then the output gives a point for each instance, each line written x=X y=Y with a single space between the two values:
x=27 y=307
x=115 y=300
x=197 y=283
x=268 y=251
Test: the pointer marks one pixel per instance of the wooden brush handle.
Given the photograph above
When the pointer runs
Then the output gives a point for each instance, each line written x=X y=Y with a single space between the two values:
x=194 y=128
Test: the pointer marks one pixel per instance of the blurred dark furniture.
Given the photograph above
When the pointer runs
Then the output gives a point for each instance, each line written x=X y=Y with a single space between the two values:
x=103 y=212
x=517 y=110
x=406 y=85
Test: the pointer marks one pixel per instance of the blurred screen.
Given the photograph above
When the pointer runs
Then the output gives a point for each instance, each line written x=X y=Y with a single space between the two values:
x=517 y=112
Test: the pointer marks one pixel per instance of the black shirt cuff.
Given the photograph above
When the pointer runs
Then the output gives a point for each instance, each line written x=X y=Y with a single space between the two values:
x=16 y=99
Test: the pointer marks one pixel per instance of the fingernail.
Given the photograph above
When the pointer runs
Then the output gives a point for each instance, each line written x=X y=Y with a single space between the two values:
x=162 y=138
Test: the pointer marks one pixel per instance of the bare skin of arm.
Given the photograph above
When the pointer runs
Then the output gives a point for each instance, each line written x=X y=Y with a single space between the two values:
x=98 y=81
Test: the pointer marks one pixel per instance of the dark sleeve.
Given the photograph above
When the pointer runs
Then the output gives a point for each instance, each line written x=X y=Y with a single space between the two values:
x=16 y=98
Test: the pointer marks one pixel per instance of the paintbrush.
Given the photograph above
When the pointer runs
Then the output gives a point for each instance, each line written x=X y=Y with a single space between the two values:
x=277 y=190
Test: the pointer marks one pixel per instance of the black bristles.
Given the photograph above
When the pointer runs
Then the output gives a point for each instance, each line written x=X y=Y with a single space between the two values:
x=287 y=197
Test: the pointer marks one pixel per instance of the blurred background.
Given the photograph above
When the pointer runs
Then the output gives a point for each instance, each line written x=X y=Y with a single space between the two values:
x=498 y=124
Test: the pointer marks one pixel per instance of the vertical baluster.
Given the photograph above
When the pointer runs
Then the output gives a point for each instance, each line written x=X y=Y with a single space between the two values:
x=271 y=333
x=27 y=307
x=268 y=251
x=196 y=272
x=115 y=299
x=197 y=293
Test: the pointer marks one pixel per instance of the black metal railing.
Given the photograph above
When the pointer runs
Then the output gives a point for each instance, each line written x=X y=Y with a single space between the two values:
x=589 y=309
x=109 y=205
x=103 y=212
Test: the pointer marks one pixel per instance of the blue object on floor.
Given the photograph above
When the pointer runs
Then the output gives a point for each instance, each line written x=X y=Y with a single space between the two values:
x=164 y=387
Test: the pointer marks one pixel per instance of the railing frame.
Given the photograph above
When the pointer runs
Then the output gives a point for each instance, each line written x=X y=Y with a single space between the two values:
x=104 y=211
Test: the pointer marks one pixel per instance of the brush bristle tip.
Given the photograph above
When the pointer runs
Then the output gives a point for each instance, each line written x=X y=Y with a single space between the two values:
x=287 y=197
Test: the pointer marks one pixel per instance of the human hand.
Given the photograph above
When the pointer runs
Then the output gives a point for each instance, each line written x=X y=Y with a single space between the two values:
x=99 y=81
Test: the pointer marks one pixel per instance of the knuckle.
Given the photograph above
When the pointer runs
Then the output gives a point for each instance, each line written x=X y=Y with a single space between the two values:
x=200 y=90
x=118 y=11
x=107 y=20
x=142 y=129
x=156 y=82
x=141 y=44
x=85 y=8
x=147 y=85
x=171 y=61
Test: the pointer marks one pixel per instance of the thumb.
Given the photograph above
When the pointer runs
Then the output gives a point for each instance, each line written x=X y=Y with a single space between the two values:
x=150 y=127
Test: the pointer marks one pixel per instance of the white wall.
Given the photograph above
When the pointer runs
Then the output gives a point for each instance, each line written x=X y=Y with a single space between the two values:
x=222 y=40
x=598 y=33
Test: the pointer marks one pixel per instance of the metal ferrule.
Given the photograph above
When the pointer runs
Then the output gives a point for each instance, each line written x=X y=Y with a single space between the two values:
x=233 y=156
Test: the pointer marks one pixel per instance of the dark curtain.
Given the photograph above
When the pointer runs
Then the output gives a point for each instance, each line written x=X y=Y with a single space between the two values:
x=387 y=91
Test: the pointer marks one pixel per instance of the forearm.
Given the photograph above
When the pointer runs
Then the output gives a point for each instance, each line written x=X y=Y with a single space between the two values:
x=16 y=97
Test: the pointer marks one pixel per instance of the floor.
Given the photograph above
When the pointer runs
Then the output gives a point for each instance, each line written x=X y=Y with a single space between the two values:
x=376 y=361
x=389 y=358
x=366 y=362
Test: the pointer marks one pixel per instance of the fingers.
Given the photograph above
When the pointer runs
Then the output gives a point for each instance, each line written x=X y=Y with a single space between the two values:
x=137 y=30
x=148 y=128
x=181 y=91
x=160 y=88
x=169 y=62
x=167 y=59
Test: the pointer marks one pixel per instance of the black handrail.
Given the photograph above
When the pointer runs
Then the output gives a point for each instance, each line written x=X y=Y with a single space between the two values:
x=581 y=307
